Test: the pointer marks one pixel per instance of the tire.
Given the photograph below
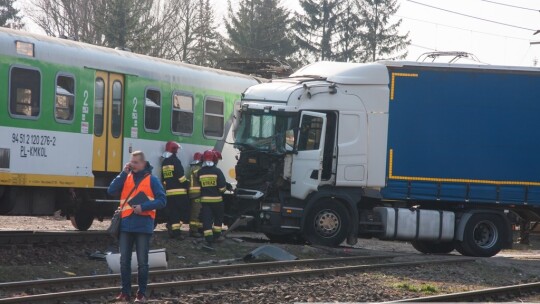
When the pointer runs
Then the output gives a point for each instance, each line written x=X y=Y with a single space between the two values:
x=459 y=248
x=327 y=223
x=292 y=238
x=484 y=235
x=433 y=247
x=82 y=220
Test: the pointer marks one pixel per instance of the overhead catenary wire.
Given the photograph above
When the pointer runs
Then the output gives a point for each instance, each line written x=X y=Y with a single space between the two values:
x=464 y=29
x=473 y=17
x=510 y=5
x=423 y=47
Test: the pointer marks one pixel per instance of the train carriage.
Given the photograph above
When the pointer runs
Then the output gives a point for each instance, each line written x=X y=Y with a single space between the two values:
x=70 y=114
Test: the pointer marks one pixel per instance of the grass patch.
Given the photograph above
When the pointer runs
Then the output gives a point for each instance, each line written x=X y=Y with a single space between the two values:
x=424 y=288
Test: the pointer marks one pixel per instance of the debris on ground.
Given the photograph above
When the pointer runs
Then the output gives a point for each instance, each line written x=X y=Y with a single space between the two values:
x=157 y=259
x=269 y=253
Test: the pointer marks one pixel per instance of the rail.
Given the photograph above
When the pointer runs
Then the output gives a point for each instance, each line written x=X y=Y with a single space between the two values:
x=181 y=278
x=478 y=295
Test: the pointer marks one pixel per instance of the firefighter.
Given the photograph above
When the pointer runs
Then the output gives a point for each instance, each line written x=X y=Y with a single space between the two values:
x=176 y=186
x=217 y=158
x=213 y=185
x=195 y=196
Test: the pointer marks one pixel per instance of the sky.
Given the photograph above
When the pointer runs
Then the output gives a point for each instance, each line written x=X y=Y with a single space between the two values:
x=431 y=28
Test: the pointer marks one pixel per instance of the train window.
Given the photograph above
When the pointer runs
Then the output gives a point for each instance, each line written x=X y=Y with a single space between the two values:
x=25 y=92
x=182 y=114
x=116 y=121
x=98 y=107
x=152 y=110
x=213 y=117
x=64 y=106
x=24 y=48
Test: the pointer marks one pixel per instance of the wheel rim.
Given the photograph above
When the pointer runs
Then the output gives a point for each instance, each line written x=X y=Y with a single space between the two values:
x=327 y=223
x=485 y=234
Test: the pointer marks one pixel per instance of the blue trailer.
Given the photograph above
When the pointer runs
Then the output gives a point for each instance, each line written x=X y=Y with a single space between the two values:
x=464 y=135
x=441 y=155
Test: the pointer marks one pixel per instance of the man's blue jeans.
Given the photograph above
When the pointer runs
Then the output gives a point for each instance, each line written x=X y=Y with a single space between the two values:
x=142 y=246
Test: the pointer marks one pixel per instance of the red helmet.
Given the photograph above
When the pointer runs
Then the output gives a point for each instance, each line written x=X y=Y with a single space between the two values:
x=172 y=147
x=208 y=156
x=197 y=156
x=217 y=155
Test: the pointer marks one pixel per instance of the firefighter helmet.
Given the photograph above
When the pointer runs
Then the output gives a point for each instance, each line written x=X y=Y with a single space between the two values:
x=172 y=147
x=217 y=156
x=197 y=157
x=208 y=156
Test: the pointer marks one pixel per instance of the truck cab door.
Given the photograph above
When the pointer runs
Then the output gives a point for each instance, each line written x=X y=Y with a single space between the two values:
x=307 y=162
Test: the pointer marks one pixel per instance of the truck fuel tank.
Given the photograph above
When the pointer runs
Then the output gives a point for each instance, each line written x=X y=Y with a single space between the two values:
x=416 y=224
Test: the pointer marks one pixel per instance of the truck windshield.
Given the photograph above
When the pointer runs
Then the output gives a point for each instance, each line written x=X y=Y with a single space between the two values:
x=272 y=132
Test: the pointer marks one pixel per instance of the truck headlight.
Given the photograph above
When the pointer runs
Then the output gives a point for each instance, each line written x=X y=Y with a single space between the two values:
x=274 y=207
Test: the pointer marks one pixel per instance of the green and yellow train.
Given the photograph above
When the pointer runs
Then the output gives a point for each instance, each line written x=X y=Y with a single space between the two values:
x=70 y=114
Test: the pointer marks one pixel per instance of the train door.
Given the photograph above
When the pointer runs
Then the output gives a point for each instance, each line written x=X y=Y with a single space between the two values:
x=108 y=122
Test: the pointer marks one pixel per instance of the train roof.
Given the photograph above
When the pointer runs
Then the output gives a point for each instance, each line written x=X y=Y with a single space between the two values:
x=68 y=52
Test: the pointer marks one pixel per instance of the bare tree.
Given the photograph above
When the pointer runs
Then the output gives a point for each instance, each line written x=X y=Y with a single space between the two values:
x=144 y=26
x=172 y=29
x=67 y=18
x=187 y=25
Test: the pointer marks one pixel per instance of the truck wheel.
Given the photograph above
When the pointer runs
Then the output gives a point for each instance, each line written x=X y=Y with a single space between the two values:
x=459 y=248
x=82 y=220
x=484 y=235
x=433 y=247
x=292 y=238
x=327 y=223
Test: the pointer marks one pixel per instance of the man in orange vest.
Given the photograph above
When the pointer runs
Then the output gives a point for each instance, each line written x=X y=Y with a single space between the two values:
x=141 y=194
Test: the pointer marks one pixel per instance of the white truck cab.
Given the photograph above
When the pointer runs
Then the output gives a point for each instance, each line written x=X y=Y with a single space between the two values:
x=341 y=130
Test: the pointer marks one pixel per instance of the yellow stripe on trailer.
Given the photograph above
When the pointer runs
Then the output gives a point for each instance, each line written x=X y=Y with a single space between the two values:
x=45 y=180
x=451 y=180
x=393 y=82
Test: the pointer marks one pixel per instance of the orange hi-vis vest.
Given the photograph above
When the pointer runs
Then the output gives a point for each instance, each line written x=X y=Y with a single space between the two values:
x=144 y=186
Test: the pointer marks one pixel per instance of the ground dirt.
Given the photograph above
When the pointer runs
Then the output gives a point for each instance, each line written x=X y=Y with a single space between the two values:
x=30 y=262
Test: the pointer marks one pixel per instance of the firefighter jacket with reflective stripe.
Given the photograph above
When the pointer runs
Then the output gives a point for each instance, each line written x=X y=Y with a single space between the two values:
x=172 y=175
x=212 y=183
x=194 y=185
x=144 y=187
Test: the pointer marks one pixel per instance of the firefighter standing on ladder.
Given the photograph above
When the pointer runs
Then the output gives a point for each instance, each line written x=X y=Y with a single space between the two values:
x=176 y=186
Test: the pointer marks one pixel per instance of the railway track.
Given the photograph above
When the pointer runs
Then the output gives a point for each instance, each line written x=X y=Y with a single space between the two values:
x=47 y=237
x=496 y=294
x=92 y=287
